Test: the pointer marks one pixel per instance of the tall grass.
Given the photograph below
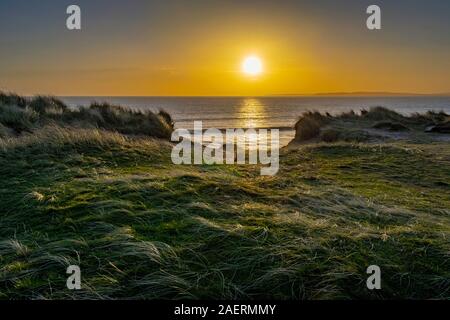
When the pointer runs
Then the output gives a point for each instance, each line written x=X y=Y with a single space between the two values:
x=75 y=190
x=351 y=126
x=308 y=126
x=19 y=114
x=141 y=227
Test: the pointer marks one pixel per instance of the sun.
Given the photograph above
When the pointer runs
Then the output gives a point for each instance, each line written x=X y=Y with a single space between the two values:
x=252 y=66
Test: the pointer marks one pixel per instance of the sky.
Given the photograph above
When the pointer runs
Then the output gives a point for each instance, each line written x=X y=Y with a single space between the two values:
x=196 y=47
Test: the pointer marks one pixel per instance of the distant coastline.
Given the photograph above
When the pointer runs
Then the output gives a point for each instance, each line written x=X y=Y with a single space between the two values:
x=364 y=94
x=360 y=94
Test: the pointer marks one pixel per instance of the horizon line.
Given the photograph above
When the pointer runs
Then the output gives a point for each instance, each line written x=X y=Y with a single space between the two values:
x=314 y=94
x=336 y=94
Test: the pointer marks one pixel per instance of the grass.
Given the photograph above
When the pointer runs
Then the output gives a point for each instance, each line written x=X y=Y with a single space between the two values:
x=352 y=127
x=24 y=115
x=141 y=227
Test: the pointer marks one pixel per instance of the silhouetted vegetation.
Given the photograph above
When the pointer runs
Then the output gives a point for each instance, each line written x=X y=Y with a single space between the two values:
x=19 y=114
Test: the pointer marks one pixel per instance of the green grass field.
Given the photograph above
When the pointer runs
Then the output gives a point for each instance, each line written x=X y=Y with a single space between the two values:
x=141 y=227
x=95 y=187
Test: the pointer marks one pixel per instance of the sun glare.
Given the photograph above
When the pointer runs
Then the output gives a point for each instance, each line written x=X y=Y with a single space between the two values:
x=252 y=66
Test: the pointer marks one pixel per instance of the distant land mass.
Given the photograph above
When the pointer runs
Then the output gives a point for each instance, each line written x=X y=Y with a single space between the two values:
x=366 y=93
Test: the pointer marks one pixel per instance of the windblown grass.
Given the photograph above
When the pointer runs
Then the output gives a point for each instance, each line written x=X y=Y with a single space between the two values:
x=309 y=125
x=21 y=115
x=352 y=127
x=141 y=227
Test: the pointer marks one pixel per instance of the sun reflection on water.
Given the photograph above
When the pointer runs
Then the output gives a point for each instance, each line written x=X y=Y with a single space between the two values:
x=253 y=114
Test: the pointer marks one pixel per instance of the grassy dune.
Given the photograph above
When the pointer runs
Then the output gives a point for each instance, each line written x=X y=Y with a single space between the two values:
x=141 y=227
x=20 y=115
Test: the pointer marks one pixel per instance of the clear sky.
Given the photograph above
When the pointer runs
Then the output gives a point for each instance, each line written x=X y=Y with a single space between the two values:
x=196 y=47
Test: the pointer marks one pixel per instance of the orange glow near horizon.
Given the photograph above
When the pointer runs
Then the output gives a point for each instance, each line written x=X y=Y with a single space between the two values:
x=297 y=51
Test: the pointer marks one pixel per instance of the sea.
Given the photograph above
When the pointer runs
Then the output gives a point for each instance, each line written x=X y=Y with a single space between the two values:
x=272 y=112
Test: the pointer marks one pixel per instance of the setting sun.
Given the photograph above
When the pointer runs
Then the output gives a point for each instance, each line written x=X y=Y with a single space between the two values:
x=252 y=66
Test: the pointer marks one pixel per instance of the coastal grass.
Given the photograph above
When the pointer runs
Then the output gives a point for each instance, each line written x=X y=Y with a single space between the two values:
x=20 y=115
x=141 y=227
x=363 y=126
